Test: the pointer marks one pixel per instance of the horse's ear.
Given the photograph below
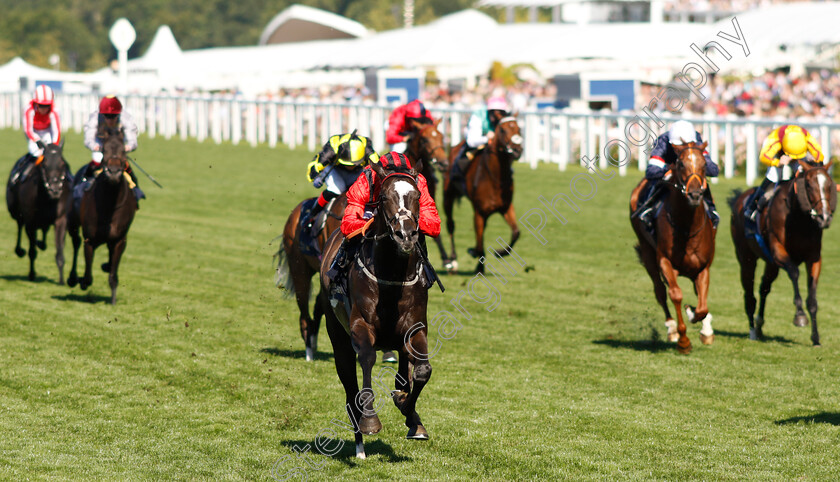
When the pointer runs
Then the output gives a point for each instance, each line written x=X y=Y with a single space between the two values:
x=377 y=168
x=514 y=113
x=703 y=146
x=437 y=122
x=828 y=164
x=61 y=144
x=414 y=124
x=416 y=166
x=678 y=148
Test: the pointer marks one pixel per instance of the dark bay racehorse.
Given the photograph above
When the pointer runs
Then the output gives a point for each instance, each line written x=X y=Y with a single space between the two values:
x=426 y=145
x=791 y=226
x=105 y=213
x=295 y=269
x=683 y=243
x=489 y=186
x=387 y=307
x=40 y=200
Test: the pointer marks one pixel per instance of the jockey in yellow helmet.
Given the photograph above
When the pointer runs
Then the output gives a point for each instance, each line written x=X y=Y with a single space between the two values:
x=786 y=143
x=337 y=166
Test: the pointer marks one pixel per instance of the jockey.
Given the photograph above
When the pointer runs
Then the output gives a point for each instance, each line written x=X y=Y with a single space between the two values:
x=347 y=154
x=111 y=113
x=399 y=123
x=661 y=158
x=41 y=126
x=362 y=197
x=480 y=129
x=788 y=142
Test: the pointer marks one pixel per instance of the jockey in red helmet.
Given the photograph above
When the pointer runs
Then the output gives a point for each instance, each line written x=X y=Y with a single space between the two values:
x=361 y=203
x=400 y=126
x=41 y=126
x=111 y=114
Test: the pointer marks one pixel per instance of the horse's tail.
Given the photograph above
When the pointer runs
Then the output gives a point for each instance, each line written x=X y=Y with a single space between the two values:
x=638 y=248
x=282 y=275
x=736 y=193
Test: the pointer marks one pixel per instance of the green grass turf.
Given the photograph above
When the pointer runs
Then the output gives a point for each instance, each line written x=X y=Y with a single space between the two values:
x=198 y=371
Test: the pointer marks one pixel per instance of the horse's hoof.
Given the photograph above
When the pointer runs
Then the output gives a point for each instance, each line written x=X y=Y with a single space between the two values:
x=800 y=320
x=310 y=353
x=360 y=451
x=389 y=357
x=753 y=336
x=817 y=345
x=20 y=252
x=707 y=339
x=72 y=281
x=684 y=349
x=42 y=245
x=31 y=276
x=418 y=432
x=370 y=425
x=106 y=267
x=84 y=283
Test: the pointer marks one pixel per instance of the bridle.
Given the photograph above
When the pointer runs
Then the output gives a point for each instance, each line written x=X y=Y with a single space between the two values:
x=402 y=214
x=46 y=180
x=682 y=186
x=427 y=154
x=514 y=139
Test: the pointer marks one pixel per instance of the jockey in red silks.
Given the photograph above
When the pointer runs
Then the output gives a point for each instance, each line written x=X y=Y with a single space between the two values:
x=41 y=125
x=360 y=205
x=400 y=126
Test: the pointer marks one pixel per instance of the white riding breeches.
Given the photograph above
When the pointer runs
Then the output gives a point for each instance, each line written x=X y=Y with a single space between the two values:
x=339 y=180
x=96 y=157
x=777 y=174
x=399 y=147
x=46 y=138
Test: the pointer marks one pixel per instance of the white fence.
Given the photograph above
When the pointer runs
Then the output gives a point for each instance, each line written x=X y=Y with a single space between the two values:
x=550 y=136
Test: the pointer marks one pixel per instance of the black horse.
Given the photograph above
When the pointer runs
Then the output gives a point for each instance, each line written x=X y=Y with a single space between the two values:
x=388 y=302
x=41 y=199
x=104 y=213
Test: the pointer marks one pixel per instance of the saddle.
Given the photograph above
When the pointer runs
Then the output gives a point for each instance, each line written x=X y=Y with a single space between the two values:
x=309 y=238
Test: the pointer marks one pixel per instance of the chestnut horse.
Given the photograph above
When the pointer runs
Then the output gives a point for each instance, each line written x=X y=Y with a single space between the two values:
x=426 y=145
x=105 y=213
x=387 y=307
x=489 y=187
x=40 y=200
x=791 y=227
x=295 y=269
x=683 y=243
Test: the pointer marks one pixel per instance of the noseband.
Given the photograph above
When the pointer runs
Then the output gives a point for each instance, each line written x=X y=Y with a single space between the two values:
x=513 y=138
x=682 y=186
x=402 y=213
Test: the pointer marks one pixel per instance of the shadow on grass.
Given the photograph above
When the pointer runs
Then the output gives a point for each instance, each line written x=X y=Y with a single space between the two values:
x=347 y=454
x=638 y=345
x=23 y=277
x=83 y=298
x=777 y=339
x=831 y=418
x=319 y=355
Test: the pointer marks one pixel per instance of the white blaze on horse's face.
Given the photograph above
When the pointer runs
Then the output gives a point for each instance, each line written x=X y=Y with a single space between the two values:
x=403 y=188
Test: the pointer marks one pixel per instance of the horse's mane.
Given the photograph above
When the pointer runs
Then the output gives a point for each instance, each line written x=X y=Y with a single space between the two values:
x=423 y=120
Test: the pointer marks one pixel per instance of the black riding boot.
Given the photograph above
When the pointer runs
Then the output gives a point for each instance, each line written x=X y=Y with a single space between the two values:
x=138 y=193
x=760 y=199
x=19 y=169
x=710 y=203
x=645 y=208
x=339 y=262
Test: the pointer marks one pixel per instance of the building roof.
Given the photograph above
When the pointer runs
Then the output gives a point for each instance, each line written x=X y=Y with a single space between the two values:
x=300 y=23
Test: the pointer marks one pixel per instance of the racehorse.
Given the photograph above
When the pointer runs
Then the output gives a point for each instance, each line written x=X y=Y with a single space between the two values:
x=791 y=228
x=387 y=307
x=426 y=145
x=105 y=213
x=489 y=186
x=295 y=268
x=40 y=200
x=683 y=243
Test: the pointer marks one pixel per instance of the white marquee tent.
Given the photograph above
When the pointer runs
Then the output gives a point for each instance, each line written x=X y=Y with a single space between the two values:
x=464 y=44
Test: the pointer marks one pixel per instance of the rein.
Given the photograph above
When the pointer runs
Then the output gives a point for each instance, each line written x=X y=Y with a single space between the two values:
x=679 y=184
